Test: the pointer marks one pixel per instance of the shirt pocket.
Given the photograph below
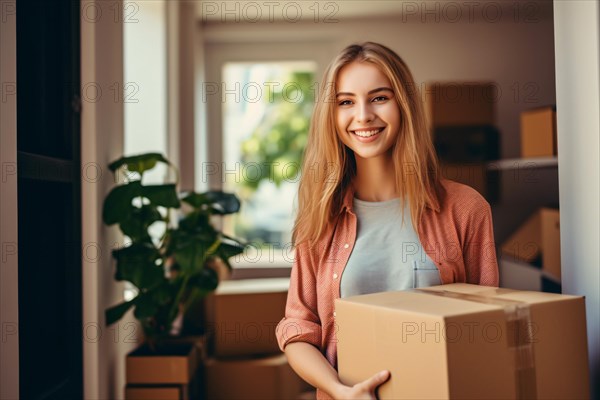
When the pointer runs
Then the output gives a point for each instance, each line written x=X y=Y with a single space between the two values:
x=425 y=274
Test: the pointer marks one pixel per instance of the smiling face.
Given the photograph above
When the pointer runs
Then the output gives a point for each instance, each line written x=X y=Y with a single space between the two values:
x=367 y=115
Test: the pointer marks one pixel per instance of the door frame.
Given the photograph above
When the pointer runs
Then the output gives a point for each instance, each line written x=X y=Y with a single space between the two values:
x=9 y=262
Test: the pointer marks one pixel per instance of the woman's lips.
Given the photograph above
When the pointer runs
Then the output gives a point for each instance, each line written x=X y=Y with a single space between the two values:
x=366 y=136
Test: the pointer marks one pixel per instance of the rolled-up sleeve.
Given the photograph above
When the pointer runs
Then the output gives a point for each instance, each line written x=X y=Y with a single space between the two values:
x=301 y=322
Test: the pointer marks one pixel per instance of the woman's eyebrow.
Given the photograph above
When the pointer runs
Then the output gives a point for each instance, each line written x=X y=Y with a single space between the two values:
x=370 y=91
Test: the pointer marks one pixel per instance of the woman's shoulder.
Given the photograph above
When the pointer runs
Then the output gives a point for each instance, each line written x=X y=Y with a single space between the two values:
x=457 y=195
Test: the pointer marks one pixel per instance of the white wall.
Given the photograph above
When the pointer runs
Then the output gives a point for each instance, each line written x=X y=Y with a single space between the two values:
x=145 y=75
x=577 y=30
x=9 y=278
x=102 y=125
x=135 y=49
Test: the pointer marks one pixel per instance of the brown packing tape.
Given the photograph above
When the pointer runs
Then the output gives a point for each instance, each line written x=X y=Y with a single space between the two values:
x=519 y=334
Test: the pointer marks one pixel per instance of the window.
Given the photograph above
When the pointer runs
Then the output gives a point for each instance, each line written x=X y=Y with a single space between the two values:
x=265 y=118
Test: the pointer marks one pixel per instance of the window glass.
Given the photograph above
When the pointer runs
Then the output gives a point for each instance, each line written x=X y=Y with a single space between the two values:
x=266 y=116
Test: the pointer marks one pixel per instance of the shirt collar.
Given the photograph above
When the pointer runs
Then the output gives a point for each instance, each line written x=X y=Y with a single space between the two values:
x=349 y=196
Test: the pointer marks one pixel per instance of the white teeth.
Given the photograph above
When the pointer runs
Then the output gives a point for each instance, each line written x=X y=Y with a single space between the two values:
x=366 y=134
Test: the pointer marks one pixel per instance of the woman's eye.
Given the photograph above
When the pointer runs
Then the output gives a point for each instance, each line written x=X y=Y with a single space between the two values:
x=344 y=102
x=380 y=98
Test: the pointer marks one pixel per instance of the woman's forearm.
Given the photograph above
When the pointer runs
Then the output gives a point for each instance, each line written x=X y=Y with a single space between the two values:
x=313 y=367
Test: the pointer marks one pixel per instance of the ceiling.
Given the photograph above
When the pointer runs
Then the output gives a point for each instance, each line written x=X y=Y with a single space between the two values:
x=333 y=11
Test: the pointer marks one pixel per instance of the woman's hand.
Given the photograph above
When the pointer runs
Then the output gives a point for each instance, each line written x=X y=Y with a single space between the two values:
x=363 y=390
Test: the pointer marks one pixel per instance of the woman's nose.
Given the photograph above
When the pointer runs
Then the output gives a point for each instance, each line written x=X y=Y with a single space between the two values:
x=364 y=113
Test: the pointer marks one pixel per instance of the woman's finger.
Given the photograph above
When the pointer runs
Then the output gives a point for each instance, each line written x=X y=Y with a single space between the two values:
x=376 y=379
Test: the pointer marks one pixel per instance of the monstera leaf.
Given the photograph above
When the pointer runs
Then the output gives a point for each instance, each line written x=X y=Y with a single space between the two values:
x=138 y=264
x=169 y=272
x=140 y=163
x=216 y=202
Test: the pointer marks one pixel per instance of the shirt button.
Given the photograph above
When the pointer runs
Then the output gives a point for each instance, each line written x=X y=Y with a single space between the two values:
x=346 y=245
x=335 y=276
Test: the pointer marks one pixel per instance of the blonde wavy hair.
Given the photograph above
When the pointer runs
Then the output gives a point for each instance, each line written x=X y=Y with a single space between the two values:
x=329 y=166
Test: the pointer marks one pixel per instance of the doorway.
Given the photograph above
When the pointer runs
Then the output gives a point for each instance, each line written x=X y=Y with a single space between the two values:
x=49 y=199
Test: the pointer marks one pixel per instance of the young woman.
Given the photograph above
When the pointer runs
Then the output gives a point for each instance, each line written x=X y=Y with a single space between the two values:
x=374 y=214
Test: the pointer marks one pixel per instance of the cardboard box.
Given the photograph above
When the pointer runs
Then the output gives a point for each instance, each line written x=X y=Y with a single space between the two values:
x=265 y=378
x=242 y=316
x=476 y=175
x=537 y=242
x=538 y=132
x=176 y=365
x=460 y=103
x=156 y=393
x=462 y=341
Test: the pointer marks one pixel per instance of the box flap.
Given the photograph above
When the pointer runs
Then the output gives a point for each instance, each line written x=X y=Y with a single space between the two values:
x=530 y=297
x=414 y=302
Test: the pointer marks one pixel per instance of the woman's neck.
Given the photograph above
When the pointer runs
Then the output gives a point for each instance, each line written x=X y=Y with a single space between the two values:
x=375 y=180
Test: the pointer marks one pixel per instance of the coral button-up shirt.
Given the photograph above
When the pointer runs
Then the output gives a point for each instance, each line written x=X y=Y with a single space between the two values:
x=458 y=237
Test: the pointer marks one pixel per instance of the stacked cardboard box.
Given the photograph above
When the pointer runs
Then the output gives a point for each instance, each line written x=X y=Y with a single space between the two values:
x=537 y=242
x=242 y=316
x=538 y=132
x=267 y=377
x=462 y=341
x=171 y=373
x=462 y=118
x=245 y=361
x=156 y=393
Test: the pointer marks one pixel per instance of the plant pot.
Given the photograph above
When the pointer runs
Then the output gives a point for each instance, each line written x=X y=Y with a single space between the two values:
x=171 y=363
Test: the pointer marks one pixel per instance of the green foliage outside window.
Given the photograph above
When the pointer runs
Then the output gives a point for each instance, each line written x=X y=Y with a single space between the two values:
x=274 y=150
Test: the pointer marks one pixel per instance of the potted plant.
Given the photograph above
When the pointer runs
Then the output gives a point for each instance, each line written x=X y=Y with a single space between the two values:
x=169 y=272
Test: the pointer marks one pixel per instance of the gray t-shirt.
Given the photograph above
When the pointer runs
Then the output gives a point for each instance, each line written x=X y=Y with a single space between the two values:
x=387 y=255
